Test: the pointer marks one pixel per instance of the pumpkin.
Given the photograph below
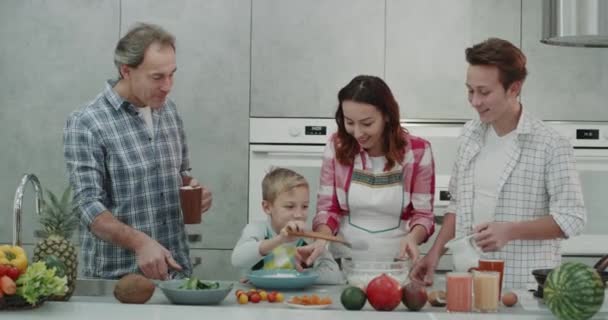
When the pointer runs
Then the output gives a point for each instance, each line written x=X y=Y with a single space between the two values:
x=574 y=291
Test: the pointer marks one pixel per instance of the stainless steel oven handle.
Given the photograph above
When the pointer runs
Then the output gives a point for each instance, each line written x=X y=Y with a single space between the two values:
x=315 y=154
x=603 y=159
x=288 y=150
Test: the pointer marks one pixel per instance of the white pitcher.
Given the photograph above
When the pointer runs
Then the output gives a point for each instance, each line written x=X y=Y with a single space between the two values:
x=465 y=254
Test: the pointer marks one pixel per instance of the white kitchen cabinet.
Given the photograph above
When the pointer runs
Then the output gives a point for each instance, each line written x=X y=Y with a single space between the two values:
x=564 y=83
x=303 y=52
x=425 y=43
x=211 y=91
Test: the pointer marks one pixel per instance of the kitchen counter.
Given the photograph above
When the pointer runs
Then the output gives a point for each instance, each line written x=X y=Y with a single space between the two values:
x=106 y=307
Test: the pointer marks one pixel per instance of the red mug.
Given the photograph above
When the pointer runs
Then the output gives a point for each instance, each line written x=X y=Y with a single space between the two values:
x=191 y=202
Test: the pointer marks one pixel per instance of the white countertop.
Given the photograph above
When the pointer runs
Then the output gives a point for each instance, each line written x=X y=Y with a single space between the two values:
x=93 y=308
x=94 y=311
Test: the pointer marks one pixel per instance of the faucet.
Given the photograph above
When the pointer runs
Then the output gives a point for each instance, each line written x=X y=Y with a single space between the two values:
x=18 y=204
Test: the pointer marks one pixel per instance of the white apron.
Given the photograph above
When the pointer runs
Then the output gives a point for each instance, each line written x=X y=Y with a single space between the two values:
x=375 y=200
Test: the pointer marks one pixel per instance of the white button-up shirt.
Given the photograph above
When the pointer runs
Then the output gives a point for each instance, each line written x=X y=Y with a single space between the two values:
x=540 y=178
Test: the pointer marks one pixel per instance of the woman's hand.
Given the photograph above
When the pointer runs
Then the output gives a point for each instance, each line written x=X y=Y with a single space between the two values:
x=306 y=255
x=408 y=248
x=423 y=270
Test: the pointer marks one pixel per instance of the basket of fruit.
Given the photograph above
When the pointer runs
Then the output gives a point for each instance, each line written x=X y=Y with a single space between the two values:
x=23 y=286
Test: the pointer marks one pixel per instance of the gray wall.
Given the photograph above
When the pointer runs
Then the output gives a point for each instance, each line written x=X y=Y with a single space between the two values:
x=56 y=55
x=273 y=58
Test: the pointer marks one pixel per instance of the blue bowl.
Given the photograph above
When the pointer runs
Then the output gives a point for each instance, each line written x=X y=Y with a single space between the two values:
x=194 y=297
x=282 y=279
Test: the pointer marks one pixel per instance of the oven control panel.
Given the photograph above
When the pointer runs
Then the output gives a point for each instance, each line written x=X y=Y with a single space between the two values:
x=583 y=135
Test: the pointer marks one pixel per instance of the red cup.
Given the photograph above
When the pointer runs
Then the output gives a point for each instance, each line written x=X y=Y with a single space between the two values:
x=191 y=202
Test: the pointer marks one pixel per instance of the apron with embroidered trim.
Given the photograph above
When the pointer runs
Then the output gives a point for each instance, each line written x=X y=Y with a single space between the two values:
x=375 y=200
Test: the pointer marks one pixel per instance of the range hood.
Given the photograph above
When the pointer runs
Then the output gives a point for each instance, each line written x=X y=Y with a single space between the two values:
x=575 y=23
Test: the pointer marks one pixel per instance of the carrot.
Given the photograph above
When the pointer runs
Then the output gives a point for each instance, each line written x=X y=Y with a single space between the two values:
x=7 y=285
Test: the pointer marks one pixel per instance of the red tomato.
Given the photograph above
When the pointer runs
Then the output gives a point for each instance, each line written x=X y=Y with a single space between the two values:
x=3 y=269
x=272 y=296
x=13 y=273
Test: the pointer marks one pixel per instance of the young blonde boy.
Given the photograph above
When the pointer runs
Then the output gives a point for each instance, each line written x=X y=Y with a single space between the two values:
x=266 y=244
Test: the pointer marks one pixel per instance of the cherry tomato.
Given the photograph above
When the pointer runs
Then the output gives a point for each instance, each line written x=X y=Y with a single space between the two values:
x=243 y=299
x=255 y=298
x=264 y=295
x=272 y=296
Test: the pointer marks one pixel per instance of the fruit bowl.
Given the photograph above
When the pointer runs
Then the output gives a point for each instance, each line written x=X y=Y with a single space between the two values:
x=15 y=302
x=360 y=272
x=171 y=289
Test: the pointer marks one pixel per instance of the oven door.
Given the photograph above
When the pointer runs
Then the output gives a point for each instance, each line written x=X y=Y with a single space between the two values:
x=303 y=159
x=592 y=165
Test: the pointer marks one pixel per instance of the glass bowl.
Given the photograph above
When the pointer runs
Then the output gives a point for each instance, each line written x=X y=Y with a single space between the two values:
x=359 y=272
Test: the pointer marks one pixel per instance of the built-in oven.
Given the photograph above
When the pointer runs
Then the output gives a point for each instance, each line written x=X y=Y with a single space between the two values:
x=590 y=141
x=298 y=144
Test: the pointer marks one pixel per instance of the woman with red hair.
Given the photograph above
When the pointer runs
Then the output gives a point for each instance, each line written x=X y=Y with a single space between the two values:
x=377 y=181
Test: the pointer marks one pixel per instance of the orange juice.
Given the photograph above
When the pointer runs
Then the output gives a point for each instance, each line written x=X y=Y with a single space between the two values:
x=486 y=291
x=459 y=287
x=493 y=265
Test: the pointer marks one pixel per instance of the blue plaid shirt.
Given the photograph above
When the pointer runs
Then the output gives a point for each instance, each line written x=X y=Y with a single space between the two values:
x=114 y=164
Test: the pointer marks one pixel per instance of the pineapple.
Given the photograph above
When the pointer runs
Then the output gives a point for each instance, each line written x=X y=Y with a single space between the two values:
x=59 y=219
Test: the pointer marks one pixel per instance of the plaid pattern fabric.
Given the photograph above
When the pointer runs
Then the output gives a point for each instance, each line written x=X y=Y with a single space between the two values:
x=371 y=179
x=114 y=164
x=418 y=179
x=540 y=178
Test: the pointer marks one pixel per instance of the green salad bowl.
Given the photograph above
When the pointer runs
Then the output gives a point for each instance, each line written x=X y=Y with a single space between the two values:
x=171 y=289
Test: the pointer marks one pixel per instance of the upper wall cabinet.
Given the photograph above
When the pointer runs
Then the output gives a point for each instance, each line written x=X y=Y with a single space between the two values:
x=211 y=91
x=564 y=83
x=303 y=52
x=425 y=43
x=54 y=58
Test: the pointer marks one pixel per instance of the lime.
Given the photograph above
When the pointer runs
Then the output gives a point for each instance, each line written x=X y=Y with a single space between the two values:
x=353 y=298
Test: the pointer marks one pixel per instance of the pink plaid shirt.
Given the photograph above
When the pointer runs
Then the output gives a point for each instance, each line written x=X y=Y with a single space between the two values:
x=418 y=178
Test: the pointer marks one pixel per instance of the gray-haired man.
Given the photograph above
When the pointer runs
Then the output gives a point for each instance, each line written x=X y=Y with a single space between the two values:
x=127 y=156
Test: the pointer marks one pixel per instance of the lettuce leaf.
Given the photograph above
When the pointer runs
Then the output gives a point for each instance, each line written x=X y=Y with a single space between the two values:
x=38 y=282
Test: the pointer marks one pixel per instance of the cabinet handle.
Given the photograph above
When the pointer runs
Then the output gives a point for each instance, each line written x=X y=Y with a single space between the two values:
x=196 y=261
x=195 y=238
